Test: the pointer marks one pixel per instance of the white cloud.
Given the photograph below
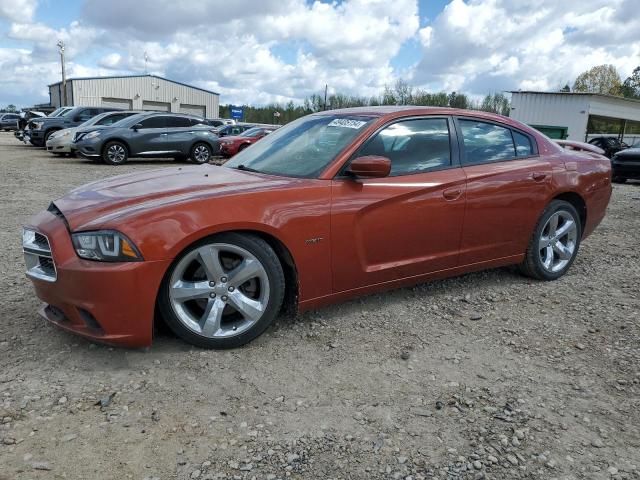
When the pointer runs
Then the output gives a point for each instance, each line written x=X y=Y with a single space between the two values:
x=18 y=10
x=482 y=46
x=282 y=50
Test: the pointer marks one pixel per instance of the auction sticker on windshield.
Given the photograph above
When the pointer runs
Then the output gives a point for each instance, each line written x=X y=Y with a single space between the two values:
x=346 y=123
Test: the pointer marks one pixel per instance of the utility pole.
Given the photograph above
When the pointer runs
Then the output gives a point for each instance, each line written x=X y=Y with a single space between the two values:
x=64 y=74
x=325 y=96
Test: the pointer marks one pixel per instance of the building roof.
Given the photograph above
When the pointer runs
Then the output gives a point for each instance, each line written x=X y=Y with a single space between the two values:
x=588 y=94
x=137 y=76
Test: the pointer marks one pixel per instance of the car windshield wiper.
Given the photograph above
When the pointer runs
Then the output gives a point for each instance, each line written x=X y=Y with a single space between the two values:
x=247 y=169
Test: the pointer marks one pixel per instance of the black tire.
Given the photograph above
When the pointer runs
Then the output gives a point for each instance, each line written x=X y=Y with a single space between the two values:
x=532 y=266
x=47 y=135
x=115 y=153
x=269 y=260
x=242 y=147
x=201 y=153
x=618 y=180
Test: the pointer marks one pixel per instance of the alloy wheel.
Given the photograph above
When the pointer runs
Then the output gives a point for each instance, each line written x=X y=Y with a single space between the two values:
x=558 y=241
x=116 y=153
x=219 y=290
x=201 y=154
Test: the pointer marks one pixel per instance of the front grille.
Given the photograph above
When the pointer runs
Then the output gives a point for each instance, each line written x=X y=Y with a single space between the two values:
x=38 y=256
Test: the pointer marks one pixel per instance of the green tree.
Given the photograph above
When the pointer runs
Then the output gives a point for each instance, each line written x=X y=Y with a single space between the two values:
x=458 y=100
x=599 y=79
x=402 y=92
x=496 y=103
x=631 y=86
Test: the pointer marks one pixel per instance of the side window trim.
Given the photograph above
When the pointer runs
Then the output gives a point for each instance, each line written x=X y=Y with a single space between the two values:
x=464 y=163
x=454 y=148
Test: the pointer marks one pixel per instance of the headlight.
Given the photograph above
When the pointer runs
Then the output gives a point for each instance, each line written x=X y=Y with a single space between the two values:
x=105 y=246
x=37 y=125
x=93 y=134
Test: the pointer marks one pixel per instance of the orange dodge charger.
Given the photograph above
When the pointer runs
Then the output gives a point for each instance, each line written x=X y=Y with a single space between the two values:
x=333 y=205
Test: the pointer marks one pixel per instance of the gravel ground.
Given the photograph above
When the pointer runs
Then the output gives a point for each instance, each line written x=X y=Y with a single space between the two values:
x=489 y=375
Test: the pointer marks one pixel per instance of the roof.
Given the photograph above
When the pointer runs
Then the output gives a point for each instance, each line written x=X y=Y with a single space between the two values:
x=588 y=94
x=137 y=76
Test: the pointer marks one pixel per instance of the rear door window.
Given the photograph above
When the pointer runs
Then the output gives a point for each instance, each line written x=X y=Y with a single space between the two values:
x=523 y=144
x=178 y=122
x=486 y=142
x=154 y=122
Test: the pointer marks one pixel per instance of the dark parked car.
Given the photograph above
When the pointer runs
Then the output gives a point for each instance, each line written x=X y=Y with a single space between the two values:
x=9 y=121
x=149 y=135
x=218 y=122
x=40 y=129
x=626 y=165
x=610 y=145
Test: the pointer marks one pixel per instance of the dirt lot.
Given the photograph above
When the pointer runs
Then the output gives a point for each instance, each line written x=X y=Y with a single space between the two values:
x=489 y=375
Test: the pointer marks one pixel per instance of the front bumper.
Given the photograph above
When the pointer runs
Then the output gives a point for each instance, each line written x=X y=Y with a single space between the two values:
x=36 y=137
x=88 y=148
x=112 y=303
x=59 y=145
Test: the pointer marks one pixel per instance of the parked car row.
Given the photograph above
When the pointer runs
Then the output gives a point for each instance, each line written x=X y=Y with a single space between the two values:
x=113 y=135
x=625 y=159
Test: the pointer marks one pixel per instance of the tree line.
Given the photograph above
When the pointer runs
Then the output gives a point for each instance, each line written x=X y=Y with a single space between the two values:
x=603 y=79
x=402 y=93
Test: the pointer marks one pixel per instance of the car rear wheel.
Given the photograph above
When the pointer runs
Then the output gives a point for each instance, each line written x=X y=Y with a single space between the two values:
x=555 y=242
x=201 y=153
x=115 y=153
x=223 y=292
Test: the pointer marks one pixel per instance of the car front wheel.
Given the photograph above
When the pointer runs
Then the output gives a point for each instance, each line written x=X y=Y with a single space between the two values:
x=201 y=153
x=115 y=153
x=223 y=292
x=555 y=242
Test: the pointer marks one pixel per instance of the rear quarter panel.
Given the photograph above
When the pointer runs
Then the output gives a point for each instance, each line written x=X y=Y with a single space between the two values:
x=588 y=175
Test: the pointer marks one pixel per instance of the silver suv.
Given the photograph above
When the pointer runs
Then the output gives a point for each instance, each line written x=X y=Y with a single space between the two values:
x=148 y=135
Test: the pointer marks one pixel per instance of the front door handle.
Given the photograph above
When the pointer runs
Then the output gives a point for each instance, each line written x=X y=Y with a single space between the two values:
x=164 y=134
x=452 y=193
x=538 y=176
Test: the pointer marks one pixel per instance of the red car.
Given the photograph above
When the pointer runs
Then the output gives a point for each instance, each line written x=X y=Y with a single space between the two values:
x=231 y=145
x=331 y=206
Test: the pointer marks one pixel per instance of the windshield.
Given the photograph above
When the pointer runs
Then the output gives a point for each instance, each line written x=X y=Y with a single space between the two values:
x=302 y=148
x=58 y=111
x=252 y=132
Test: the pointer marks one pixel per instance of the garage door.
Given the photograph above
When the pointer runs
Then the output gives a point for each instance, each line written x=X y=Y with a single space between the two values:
x=123 y=103
x=157 y=106
x=197 y=110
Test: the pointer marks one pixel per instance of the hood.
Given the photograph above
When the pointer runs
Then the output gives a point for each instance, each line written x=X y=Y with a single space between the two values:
x=91 y=128
x=64 y=131
x=94 y=204
x=629 y=152
x=235 y=138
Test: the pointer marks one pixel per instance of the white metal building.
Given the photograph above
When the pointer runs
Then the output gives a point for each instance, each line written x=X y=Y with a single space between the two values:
x=137 y=92
x=578 y=116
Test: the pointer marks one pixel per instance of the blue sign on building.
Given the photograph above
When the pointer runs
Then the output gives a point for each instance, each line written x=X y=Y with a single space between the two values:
x=237 y=113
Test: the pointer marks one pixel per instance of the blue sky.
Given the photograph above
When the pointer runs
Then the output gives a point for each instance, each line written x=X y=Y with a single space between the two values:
x=282 y=50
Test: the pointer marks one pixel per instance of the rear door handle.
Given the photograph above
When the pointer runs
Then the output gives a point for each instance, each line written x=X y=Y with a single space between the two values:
x=538 y=176
x=452 y=193
x=164 y=134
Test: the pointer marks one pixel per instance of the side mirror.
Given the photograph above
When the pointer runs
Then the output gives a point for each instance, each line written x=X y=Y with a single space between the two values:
x=370 y=166
x=137 y=127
